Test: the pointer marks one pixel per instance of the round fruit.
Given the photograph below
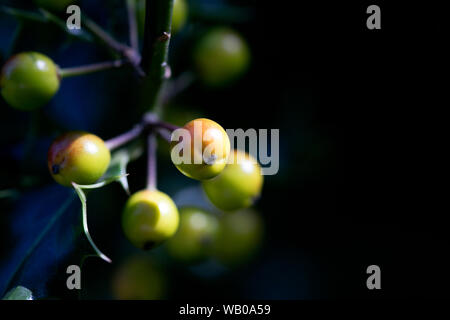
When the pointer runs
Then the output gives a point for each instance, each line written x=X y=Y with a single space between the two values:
x=78 y=157
x=149 y=218
x=29 y=80
x=179 y=16
x=139 y=278
x=238 y=237
x=221 y=56
x=239 y=184
x=200 y=149
x=54 y=5
x=194 y=237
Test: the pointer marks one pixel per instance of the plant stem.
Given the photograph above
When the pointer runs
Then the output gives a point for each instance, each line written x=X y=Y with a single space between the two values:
x=151 y=161
x=158 y=23
x=83 y=70
x=124 y=138
x=103 y=36
x=134 y=40
x=168 y=126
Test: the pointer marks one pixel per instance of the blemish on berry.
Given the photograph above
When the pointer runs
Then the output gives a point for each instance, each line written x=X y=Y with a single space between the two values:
x=55 y=169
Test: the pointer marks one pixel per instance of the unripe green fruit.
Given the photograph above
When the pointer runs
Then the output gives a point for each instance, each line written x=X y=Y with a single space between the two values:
x=239 y=184
x=238 y=237
x=221 y=56
x=78 y=157
x=208 y=145
x=54 y=5
x=179 y=16
x=149 y=217
x=29 y=80
x=194 y=237
x=139 y=278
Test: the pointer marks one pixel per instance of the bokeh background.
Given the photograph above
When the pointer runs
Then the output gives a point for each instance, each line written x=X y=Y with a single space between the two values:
x=319 y=234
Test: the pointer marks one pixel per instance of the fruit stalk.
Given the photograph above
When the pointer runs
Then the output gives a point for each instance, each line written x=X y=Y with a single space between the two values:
x=132 y=23
x=128 y=53
x=95 y=67
x=124 y=138
x=151 y=161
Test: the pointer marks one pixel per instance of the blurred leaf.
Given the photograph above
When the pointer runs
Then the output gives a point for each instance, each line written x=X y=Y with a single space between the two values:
x=43 y=226
x=19 y=293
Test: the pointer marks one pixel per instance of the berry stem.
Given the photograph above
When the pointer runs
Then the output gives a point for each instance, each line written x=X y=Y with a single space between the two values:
x=124 y=138
x=157 y=33
x=134 y=39
x=168 y=126
x=96 y=67
x=126 y=52
x=151 y=161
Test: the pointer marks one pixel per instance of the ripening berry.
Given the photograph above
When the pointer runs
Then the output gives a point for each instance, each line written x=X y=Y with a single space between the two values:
x=239 y=184
x=201 y=149
x=238 y=238
x=29 y=80
x=192 y=242
x=179 y=16
x=139 y=278
x=78 y=157
x=149 y=217
x=221 y=56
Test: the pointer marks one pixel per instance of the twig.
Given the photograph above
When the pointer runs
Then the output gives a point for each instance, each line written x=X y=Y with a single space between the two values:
x=83 y=70
x=134 y=39
x=151 y=161
x=44 y=17
x=124 y=138
x=126 y=52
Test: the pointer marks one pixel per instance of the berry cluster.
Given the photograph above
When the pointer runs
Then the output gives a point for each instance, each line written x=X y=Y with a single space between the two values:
x=231 y=179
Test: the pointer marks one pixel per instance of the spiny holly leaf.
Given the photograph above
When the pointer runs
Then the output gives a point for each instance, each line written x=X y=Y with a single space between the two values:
x=19 y=293
x=79 y=190
x=43 y=227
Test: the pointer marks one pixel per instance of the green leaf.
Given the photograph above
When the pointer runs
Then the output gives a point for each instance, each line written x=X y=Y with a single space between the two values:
x=120 y=160
x=19 y=293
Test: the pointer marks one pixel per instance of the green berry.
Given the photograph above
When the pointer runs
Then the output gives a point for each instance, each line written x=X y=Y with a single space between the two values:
x=139 y=278
x=149 y=217
x=239 y=184
x=194 y=237
x=29 y=80
x=221 y=56
x=209 y=148
x=238 y=237
x=78 y=157
x=179 y=16
x=54 y=5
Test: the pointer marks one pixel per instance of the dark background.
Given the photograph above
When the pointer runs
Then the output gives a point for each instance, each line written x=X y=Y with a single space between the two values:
x=353 y=108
